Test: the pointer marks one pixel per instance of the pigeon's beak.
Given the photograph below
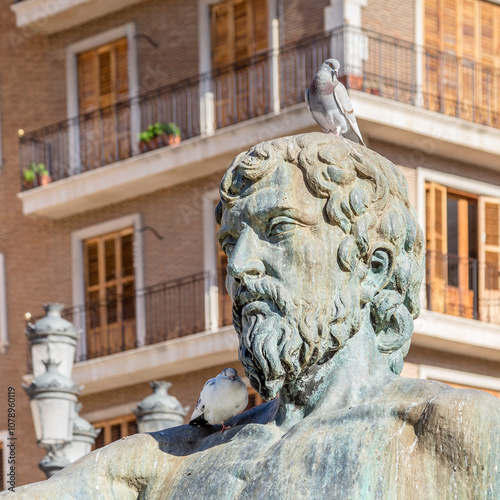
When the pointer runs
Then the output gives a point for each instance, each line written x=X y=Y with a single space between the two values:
x=232 y=378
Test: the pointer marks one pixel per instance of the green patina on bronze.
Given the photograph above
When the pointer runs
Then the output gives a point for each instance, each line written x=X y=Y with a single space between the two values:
x=325 y=263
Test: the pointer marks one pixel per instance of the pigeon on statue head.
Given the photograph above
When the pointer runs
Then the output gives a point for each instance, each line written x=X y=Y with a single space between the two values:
x=221 y=398
x=329 y=103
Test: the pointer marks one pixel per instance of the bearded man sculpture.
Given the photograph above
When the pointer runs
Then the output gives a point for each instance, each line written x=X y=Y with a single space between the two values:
x=325 y=263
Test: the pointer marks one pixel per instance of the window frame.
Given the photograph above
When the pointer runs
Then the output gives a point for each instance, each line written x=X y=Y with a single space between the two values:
x=78 y=275
x=105 y=426
x=127 y=31
x=451 y=181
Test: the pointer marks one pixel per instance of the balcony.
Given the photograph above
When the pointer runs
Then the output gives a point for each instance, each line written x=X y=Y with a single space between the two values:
x=463 y=287
x=155 y=314
x=48 y=16
x=397 y=88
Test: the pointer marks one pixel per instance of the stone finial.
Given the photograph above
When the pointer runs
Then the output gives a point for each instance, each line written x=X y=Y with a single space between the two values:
x=159 y=410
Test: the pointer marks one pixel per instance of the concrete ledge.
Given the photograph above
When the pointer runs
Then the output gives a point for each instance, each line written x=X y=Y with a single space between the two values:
x=466 y=337
x=51 y=16
x=165 y=359
x=161 y=168
x=425 y=131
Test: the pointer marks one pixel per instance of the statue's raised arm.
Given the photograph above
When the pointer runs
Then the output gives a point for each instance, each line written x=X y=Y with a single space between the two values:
x=325 y=264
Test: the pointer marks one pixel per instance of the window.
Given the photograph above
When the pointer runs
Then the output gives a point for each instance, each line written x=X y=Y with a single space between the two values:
x=239 y=30
x=114 y=429
x=463 y=253
x=102 y=85
x=462 y=37
x=225 y=304
x=110 y=293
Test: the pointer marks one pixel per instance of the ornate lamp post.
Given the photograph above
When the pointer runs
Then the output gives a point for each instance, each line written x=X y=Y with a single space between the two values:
x=159 y=410
x=52 y=338
x=53 y=395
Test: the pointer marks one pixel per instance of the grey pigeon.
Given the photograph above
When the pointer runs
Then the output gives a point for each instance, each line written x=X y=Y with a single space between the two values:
x=221 y=398
x=329 y=103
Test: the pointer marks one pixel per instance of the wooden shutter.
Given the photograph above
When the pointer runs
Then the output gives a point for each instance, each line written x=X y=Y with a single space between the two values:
x=436 y=242
x=103 y=82
x=222 y=34
x=239 y=31
x=110 y=292
x=260 y=26
x=114 y=429
x=489 y=259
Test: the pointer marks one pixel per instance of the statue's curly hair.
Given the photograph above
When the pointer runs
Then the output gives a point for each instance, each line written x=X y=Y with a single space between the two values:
x=367 y=197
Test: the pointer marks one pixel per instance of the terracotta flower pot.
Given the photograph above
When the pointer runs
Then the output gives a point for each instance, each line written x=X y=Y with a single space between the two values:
x=174 y=139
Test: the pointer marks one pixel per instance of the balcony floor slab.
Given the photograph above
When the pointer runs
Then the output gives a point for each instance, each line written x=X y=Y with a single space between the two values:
x=164 y=359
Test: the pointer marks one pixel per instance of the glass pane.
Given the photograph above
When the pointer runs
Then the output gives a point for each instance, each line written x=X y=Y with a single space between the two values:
x=116 y=432
x=92 y=264
x=128 y=255
x=452 y=228
x=472 y=214
x=132 y=428
x=128 y=301
x=111 y=304
x=110 y=257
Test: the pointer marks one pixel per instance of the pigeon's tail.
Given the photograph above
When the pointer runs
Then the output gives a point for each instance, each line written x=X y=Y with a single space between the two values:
x=198 y=421
x=351 y=134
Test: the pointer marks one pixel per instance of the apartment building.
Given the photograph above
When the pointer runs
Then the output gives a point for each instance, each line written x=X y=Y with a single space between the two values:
x=118 y=119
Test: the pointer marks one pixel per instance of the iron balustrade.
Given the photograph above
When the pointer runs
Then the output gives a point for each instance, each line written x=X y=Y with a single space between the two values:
x=171 y=309
x=463 y=287
x=371 y=62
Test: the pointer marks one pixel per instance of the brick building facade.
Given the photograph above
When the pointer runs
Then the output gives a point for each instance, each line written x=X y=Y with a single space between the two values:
x=122 y=233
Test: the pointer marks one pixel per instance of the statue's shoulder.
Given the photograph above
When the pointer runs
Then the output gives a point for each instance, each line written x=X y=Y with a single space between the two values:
x=457 y=420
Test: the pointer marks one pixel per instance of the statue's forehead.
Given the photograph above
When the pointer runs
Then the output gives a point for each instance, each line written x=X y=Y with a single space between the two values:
x=282 y=189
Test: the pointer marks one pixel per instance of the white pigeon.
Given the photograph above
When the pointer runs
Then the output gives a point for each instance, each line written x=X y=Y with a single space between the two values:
x=329 y=103
x=221 y=398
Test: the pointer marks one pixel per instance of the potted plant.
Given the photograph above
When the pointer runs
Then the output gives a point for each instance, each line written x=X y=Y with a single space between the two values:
x=28 y=177
x=158 y=135
x=174 y=133
x=36 y=172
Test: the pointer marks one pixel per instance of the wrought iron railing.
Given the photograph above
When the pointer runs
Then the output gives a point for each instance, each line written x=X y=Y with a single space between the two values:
x=371 y=62
x=170 y=310
x=463 y=287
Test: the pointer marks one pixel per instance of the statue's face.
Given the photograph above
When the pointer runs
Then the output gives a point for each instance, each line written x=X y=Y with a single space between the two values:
x=283 y=276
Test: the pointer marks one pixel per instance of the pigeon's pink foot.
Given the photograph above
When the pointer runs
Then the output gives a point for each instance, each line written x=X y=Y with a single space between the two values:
x=224 y=427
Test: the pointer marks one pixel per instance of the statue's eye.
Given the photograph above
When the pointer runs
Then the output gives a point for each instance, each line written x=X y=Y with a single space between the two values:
x=282 y=225
x=228 y=247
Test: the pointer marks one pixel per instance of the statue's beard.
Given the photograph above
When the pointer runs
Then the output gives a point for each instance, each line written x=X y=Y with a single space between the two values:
x=280 y=339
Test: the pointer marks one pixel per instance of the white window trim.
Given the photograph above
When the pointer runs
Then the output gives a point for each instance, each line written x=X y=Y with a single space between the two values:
x=4 y=338
x=458 y=377
x=210 y=261
x=127 y=30
x=77 y=239
x=207 y=110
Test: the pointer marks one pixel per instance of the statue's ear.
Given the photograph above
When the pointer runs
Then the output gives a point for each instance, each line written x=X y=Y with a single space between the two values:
x=380 y=269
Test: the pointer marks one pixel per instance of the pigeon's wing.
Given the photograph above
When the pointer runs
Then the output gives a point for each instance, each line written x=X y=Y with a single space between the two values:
x=344 y=103
x=197 y=418
x=311 y=111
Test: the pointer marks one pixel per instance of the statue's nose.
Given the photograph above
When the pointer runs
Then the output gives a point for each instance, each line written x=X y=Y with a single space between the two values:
x=246 y=259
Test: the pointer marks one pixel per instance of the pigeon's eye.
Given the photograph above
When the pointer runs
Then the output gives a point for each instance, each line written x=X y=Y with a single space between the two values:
x=330 y=64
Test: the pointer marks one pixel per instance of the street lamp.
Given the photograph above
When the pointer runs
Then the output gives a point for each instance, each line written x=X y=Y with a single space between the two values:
x=159 y=410
x=53 y=395
x=52 y=338
x=52 y=398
